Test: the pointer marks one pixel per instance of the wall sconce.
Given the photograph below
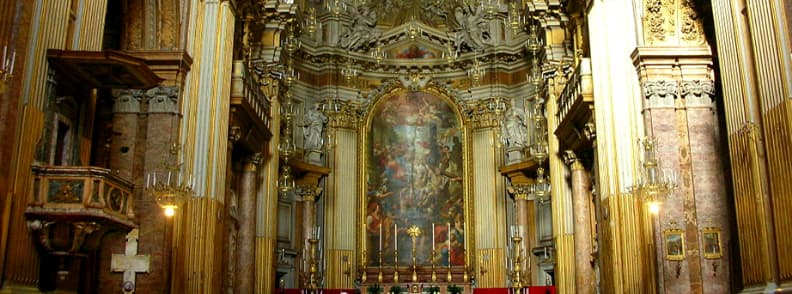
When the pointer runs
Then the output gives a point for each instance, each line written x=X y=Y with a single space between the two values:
x=349 y=73
x=450 y=54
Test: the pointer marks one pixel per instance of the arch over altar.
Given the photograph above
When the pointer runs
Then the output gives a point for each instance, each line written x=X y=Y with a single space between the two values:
x=416 y=170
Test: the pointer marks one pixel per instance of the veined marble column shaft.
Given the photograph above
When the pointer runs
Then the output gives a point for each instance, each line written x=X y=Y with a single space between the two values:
x=523 y=207
x=581 y=195
x=246 y=258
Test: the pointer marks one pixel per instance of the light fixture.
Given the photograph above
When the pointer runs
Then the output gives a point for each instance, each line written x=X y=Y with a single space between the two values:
x=476 y=72
x=335 y=7
x=349 y=72
x=654 y=207
x=413 y=30
x=310 y=23
x=491 y=8
x=169 y=189
x=539 y=149
x=7 y=64
x=450 y=54
x=541 y=187
x=515 y=20
x=653 y=182
x=379 y=54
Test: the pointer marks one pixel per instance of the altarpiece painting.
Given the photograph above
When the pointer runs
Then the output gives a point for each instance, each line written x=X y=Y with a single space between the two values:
x=414 y=176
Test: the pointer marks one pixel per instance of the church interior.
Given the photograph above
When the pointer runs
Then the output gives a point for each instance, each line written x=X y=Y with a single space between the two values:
x=396 y=146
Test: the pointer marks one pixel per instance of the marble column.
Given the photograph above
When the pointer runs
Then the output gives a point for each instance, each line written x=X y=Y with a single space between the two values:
x=126 y=110
x=524 y=208
x=308 y=194
x=581 y=197
x=246 y=275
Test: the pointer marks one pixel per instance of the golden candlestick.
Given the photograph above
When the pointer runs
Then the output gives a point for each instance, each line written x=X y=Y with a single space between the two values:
x=414 y=231
x=379 y=274
x=465 y=276
x=312 y=268
x=517 y=272
x=434 y=274
x=363 y=274
x=395 y=266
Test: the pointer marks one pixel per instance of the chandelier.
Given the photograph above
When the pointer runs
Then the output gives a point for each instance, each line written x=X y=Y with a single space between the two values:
x=170 y=188
x=336 y=7
x=476 y=72
x=515 y=20
x=310 y=23
x=379 y=54
x=653 y=183
x=450 y=54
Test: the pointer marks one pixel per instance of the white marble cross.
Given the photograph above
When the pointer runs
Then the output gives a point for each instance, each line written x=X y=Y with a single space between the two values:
x=130 y=263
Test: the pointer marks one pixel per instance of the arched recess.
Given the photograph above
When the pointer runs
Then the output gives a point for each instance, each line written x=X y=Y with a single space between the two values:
x=416 y=169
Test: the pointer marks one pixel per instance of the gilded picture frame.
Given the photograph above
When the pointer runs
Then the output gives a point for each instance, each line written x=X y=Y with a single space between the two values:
x=674 y=240
x=711 y=243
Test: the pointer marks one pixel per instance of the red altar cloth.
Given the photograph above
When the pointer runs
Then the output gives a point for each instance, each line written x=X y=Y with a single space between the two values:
x=323 y=291
x=530 y=290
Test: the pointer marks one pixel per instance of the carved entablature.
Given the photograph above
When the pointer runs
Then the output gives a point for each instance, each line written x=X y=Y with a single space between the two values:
x=163 y=99
x=127 y=100
x=697 y=93
x=485 y=113
x=660 y=93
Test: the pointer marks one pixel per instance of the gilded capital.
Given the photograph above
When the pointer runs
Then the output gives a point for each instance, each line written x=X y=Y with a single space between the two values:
x=521 y=192
x=308 y=193
x=252 y=162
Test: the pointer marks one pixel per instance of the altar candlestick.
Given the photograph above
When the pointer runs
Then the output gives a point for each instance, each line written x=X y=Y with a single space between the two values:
x=448 y=241
x=395 y=237
x=380 y=238
x=433 y=237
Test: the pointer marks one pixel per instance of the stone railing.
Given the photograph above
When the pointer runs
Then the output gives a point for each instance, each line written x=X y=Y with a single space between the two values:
x=579 y=89
x=245 y=92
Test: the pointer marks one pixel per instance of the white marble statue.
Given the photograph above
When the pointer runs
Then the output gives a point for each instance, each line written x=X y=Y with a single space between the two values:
x=313 y=126
x=515 y=128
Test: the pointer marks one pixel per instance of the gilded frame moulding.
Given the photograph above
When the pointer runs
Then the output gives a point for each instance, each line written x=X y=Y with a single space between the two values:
x=363 y=137
x=711 y=243
x=674 y=244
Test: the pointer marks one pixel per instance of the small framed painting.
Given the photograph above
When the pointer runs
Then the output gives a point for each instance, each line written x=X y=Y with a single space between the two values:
x=674 y=244
x=710 y=239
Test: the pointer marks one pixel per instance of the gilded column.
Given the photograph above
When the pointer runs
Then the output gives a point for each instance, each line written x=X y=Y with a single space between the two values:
x=247 y=226
x=585 y=281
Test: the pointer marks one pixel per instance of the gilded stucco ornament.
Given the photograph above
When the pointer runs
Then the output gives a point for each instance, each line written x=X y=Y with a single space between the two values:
x=659 y=20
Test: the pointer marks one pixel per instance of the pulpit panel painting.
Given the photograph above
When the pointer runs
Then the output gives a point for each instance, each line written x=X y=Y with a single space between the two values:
x=414 y=178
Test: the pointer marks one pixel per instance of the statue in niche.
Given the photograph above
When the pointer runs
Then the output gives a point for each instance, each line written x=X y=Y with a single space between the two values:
x=362 y=30
x=473 y=27
x=515 y=128
x=313 y=126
